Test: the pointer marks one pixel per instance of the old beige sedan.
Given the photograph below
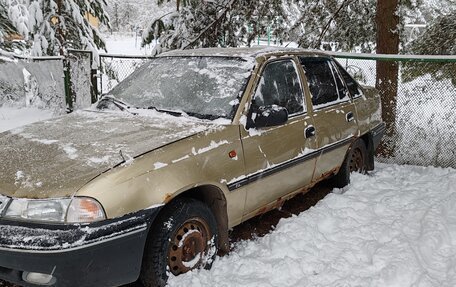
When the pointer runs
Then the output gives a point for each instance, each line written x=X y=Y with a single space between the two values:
x=148 y=182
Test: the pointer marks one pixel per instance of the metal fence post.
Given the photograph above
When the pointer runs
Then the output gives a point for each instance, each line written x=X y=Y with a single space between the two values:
x=67 y=81
x=100 y=75
x=93 y=81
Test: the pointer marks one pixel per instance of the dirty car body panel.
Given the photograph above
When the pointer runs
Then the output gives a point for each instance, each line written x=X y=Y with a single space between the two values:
x=127 y=161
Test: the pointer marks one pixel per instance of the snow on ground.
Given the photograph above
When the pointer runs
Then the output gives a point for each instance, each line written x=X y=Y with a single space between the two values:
x=12 y=117
x=126 y=44
x=394 y=227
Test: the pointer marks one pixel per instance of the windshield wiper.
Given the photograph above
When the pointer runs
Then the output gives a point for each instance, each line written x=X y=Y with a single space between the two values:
x=191 y=114
x=203 y=116
x=111 y=99
x=173 y=113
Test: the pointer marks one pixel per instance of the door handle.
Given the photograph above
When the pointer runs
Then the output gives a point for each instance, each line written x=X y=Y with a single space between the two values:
x=309 y=132
x=349 y=117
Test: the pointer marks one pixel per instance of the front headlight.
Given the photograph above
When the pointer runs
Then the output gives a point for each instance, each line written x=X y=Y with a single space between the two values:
x=52 y=210
x=69 y=210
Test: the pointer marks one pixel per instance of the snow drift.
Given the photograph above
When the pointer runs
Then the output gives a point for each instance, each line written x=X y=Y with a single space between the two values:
x=394 y=227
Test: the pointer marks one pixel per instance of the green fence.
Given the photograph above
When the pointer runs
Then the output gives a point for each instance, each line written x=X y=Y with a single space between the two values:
x=425 y=122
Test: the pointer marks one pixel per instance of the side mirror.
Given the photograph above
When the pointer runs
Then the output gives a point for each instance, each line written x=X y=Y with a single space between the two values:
x=268 y=116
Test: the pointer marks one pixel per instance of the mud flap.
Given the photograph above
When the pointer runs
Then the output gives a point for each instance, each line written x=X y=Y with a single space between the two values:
x=370 y=152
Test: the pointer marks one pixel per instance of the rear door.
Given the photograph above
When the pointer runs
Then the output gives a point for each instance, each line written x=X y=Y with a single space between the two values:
x=333 y=111
x=275 y=157
x=364 y=107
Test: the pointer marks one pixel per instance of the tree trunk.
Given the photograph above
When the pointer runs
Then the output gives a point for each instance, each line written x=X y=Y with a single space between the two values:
x=59 y=32
x=388 y=71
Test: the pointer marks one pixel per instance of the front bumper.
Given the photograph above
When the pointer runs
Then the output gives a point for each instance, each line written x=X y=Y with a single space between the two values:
x=100 y=254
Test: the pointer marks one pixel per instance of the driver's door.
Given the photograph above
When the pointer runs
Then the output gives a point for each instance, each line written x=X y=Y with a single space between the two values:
x=275 y=157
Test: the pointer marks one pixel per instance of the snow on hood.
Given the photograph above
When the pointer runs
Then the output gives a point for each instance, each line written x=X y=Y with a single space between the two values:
x=54 y=158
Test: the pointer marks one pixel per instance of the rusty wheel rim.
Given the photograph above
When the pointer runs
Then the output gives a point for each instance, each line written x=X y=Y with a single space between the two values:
x=356 y=163
x=188 y=247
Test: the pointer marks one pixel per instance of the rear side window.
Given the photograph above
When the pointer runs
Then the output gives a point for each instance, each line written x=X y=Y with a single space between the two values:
x=280 y=85
x=325 y=84
x=352 y=85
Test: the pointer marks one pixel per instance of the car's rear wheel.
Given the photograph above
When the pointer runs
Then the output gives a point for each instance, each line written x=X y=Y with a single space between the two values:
x=183 y=238
x=355 y=161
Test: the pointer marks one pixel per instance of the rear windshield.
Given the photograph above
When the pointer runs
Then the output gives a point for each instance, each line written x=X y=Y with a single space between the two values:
x=205 y=86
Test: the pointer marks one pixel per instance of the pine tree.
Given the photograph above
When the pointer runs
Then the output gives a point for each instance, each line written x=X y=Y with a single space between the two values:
x=432 y=9
x=50 y=27
x=124 y=15
x=348 y=22
x=7 y=28
x=13 y=24
x=198 y=23
x=226 y=23
x=56 y=25
x=438 y=39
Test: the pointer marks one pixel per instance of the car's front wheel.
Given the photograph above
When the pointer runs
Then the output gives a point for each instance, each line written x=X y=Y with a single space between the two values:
x=183 y=238
x=355 y=161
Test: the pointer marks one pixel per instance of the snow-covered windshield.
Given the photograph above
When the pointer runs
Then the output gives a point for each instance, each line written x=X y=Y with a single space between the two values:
x=199 y=86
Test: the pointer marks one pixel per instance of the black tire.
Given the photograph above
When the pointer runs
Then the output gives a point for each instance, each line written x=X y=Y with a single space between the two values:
x=182 y=238
x=355 y=161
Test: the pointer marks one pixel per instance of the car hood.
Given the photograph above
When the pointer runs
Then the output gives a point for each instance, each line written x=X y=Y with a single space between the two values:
x=55 y=158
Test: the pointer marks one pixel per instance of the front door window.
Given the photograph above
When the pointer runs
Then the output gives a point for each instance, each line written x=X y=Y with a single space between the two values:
x=280 y=85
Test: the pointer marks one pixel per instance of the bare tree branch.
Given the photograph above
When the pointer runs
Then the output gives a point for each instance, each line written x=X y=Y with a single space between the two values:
x=328 y=24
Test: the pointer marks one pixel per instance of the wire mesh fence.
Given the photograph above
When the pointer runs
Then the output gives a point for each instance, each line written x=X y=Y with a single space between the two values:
x=425 y=121
x=115 y=68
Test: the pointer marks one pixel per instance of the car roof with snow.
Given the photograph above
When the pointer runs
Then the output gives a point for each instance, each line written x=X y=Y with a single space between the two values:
x=245 y=52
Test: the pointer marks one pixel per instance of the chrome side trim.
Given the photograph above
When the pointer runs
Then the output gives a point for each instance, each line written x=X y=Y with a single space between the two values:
x=280 y=167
